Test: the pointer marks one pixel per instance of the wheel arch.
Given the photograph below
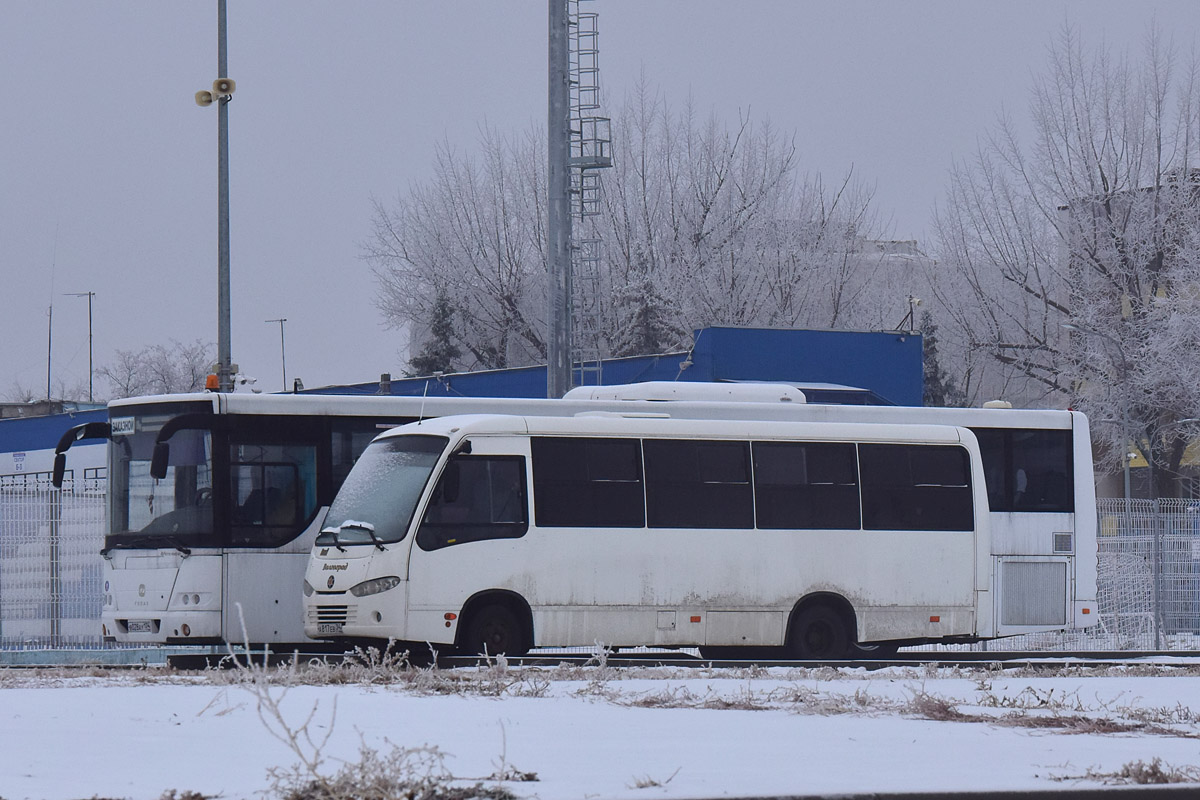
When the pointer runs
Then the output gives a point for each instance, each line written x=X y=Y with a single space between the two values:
x=495 y=597
x=832 y=600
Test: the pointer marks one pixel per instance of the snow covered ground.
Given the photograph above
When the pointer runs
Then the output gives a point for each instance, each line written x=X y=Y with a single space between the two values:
x=592 y=732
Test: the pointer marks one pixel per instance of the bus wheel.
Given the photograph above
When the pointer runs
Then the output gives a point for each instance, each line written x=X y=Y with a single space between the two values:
x=494 y=630
x=818 y=633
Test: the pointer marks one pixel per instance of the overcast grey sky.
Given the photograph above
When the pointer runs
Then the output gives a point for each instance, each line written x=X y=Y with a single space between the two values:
x=108 y=168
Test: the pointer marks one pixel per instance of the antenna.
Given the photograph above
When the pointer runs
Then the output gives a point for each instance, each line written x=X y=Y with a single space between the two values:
x=91 y=371
x=424 y=394
x=49 y=347
x=50 y=315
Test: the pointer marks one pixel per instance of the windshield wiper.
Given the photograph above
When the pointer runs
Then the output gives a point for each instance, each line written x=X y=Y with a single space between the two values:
x=147 y=542
x=363 y=526
x=333 y=531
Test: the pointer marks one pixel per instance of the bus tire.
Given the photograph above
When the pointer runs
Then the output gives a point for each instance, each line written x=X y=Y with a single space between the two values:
x=819 y=634
x=494 y=630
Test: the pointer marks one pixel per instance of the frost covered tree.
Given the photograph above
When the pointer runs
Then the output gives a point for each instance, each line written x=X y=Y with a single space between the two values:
x=474 y=234
x=159 y=369
x=709 y=224
x=940 y=388
x=1088 y=216
x=702 y=223
x=439 y=353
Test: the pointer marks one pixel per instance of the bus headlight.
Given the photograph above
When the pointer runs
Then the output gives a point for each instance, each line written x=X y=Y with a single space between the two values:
x=374 y=586
x=308 y=589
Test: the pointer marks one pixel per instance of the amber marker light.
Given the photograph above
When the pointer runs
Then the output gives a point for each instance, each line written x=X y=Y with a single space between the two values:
x=935 y=619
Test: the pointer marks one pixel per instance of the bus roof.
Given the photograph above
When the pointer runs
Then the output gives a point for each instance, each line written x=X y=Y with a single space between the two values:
x=683 y=408
x=613 y=424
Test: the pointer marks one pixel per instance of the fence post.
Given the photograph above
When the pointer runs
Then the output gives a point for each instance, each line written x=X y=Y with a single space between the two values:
x=55 y=501
x=1156 y=585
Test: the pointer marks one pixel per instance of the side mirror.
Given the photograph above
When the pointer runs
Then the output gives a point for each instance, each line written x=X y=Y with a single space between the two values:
x=89 y=430
x=160 y=459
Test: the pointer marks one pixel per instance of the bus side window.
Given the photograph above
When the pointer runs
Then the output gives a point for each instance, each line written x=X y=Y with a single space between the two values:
x=1044 y=458
x=1028 y=470
x=916 y=487
x=587 y=482
x=476 y=498
x=273 y=493
x=694 y=483
x=806 y=485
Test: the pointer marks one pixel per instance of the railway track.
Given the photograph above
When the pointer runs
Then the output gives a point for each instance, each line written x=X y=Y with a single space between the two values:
x=1037 y=660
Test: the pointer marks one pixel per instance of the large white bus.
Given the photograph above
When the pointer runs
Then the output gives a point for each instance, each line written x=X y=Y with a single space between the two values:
x=498 y=534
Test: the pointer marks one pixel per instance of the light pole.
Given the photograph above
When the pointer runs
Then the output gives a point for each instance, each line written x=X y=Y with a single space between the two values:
x=282 y=348
x=221 y=94
x=89 y=296
x=1124 y=397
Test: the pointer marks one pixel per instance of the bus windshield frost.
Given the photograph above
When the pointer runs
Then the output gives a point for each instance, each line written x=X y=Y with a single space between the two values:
x=376 y=503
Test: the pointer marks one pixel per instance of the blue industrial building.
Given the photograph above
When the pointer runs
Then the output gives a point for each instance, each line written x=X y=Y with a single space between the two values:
x=862 y=368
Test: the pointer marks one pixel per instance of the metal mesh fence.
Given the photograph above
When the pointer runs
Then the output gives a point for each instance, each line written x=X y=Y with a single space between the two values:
x=1149 y=581
x=50 y=585
x=50 y=541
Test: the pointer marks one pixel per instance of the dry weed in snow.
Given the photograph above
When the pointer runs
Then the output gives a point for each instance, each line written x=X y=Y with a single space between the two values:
x=1139 y=772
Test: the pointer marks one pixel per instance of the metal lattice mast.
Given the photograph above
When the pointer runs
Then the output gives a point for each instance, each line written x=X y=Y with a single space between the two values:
x=578 y=144
x=591 y=151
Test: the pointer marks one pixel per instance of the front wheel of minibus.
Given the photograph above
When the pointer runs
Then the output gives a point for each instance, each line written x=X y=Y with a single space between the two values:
x=494 y=630
x=819 y=633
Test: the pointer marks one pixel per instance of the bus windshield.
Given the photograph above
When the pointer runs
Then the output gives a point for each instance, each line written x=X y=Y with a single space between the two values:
x=176 y=511
x=377 y=501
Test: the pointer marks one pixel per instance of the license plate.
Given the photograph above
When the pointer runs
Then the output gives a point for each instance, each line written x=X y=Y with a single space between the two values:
x=141 y=626
x=329 y=628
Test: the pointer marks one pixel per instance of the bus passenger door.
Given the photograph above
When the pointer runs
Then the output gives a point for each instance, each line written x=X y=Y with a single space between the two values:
x=462 y=546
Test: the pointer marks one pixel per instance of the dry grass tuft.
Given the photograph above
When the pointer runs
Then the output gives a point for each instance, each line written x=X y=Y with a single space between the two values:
x=1140 y=773
x=647 y=782
x=929 y=706
x=408 y=773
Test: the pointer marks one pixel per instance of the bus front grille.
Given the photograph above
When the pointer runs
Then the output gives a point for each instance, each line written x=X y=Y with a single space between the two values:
x=338 y=614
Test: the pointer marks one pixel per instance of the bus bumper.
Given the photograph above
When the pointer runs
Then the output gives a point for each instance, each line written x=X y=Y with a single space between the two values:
x=335 y=615
x=158 y=627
